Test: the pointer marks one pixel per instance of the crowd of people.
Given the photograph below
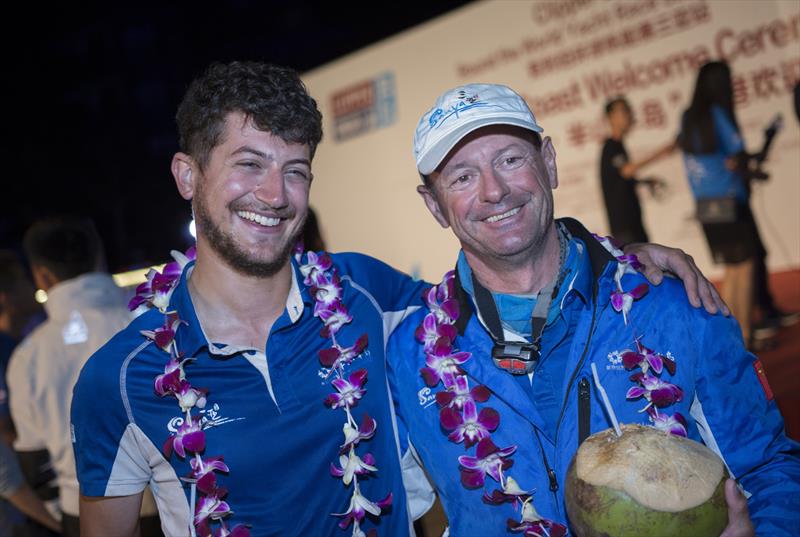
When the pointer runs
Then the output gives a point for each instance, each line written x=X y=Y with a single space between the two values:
x=270 y=389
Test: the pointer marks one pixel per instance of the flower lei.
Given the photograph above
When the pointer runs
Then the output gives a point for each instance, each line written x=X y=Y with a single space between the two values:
x=324 y=285
x=190 y=439
x=657 y=392
x=459 y=415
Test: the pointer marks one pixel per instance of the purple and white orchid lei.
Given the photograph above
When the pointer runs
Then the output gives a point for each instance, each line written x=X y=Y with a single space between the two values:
x=459 y=414
x=657 y=392
x=190 y=438
x=324 y=285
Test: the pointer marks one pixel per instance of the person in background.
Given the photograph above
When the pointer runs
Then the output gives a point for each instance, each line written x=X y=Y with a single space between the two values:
x=85 y=308
x=15 y=490
x=717 y=169
x=618 y=175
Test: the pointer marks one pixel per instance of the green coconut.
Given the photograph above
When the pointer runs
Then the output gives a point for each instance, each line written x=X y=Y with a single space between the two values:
x=645 y=483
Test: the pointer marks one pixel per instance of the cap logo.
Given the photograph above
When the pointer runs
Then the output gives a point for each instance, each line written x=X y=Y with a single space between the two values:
x=464 y=103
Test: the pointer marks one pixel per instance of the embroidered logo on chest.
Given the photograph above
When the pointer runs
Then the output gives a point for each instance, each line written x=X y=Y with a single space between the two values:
x=426 y=397
x=209 y=417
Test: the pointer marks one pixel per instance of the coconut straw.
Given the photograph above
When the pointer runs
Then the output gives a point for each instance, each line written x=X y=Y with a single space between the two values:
x=606 y=402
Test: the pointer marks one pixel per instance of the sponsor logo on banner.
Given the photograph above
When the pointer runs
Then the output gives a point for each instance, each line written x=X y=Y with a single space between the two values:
x=365 y=106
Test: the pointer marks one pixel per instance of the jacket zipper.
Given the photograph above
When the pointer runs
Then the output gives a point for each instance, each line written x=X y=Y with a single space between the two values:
x=578 y=367
x=584 y=409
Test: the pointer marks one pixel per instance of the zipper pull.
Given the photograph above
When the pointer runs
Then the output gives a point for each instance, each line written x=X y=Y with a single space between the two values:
x=551 y=475
x=584 y=409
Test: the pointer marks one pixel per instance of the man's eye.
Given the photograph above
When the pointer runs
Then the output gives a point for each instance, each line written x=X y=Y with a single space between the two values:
x=512 y=160
x=297 y=173
x=460 y=180
x=249 y=164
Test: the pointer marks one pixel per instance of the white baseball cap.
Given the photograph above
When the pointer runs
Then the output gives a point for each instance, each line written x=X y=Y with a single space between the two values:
x=461 y=110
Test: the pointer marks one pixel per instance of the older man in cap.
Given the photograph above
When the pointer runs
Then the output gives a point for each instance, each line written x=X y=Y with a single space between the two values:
x=496 y=369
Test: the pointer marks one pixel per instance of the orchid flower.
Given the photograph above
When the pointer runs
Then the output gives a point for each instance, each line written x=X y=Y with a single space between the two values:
x=470 y=427
x=610 y=244
x=647 y=359
x=325 y=290
x=441 y=361
x=489 y=460
x=334 y=317
x=350 y=390
x=315 y=264
x=622 y=301
x=674 y=424
x=359 y=506
x=165 y=335
x=157 y=288
x=656 y=391
x=211 y=507
x=189 y=397
x=203 y=472
x=631 y=260
x=458 y=393
x=351 y=464
x=170 y=381
x=353 y=436
x=336 y=357
x=429 y=332
x=190 y=436
x=533 y=525
x=511 y=493
x=445 y=311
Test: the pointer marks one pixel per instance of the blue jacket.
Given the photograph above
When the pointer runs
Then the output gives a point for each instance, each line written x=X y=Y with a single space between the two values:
x=731 y=410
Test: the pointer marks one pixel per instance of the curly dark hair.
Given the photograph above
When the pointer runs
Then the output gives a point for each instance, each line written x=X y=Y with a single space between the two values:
x=272 y=97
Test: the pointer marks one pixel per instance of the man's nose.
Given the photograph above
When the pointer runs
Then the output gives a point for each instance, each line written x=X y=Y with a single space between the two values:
x=271 y=189
x=493 y=186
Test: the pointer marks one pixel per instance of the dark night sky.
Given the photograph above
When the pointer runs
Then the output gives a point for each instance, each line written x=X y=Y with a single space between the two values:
x=91 y=97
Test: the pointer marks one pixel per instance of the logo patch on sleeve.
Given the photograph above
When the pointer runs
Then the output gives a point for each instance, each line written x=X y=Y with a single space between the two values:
x=762 y=378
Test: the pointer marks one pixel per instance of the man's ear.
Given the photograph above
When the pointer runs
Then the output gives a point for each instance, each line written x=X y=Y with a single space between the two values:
x=433 y=205
x=184 y=171
x=549 y=159
x=43 y=277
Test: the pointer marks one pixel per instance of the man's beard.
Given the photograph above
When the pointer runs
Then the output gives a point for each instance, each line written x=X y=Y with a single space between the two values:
x=238 y=259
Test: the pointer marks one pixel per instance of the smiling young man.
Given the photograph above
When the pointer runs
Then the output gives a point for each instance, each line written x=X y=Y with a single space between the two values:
x=492 y=378
x=275 y=364
x=253 y=336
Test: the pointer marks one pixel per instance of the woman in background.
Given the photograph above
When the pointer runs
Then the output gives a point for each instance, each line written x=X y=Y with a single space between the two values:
x=716 y=163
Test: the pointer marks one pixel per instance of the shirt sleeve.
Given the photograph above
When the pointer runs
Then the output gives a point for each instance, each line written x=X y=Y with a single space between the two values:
x=417 y=484
x=108 y=456
x=737 y=414
x=22 y=388
x=728 y=137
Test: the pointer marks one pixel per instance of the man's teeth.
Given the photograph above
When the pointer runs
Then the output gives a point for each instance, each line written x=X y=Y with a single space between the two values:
x=506 y=214
x=259 y=219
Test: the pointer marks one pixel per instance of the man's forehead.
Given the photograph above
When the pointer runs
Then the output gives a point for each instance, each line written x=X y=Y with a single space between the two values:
x=493 y=139
x=241 y=126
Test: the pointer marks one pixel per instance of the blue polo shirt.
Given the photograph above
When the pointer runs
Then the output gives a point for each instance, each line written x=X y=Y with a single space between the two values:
x=545 y=385
x=265 y=412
